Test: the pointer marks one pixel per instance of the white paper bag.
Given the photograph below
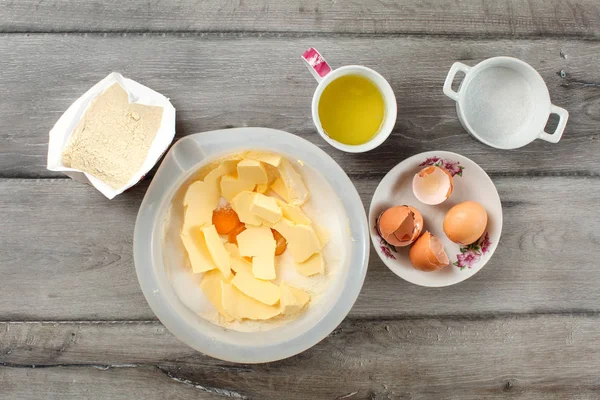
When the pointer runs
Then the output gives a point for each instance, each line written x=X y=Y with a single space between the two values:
x=140 y=94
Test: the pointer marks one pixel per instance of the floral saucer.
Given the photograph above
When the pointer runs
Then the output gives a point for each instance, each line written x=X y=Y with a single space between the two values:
x=470 y=183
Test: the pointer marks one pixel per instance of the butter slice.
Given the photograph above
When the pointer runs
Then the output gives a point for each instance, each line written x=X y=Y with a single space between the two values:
x=237 y=262
x=266 y=208
x=217 y=251
x=292 y=299
x=232 y=249
x=297 y=192
x=263 y=291
x=322 y=234
x=227 y=167
x=231 y=186
x=256 y=241
x=242 y=204
x=263 y=267
x=195 y=245
x=241 y=265
x=252 y=171
x=199 y=201
x=285 y=227
x=267 y=158
x=294 y=214
x=279 y=188
x=262 y=188
x=211 y=286
x=302 y=239
x=240 y=306
x=314 y=265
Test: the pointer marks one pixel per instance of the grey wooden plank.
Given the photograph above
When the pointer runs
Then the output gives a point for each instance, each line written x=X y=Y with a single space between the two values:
x=95 y=383
x=217 y=82
x=66 y=254
x=489 y=17
x=542 y=357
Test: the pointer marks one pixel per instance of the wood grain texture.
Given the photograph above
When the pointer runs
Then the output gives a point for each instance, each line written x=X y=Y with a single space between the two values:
x=96 y=383
x=488 y=17
x=525 y=327
x=544 y=357
x=67 y=255
x=217 y=82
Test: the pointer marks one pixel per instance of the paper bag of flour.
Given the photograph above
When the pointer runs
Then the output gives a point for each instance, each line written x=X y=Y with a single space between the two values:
x=69 y=124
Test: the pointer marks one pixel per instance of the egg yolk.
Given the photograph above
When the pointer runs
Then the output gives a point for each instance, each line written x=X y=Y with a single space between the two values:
x=232 y=235
x=281 y=242
x=225 y=220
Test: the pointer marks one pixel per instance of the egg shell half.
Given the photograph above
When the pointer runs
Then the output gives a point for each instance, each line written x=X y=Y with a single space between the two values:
x=427 y=254
x=400 y=226
x=433 y=185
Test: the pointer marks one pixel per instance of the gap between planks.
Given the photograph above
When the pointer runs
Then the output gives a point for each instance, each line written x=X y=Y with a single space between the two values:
x=302 y=35
x=380 y=318
x=354 y=176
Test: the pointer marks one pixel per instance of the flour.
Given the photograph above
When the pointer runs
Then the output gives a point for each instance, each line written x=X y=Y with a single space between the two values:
x=113 y=138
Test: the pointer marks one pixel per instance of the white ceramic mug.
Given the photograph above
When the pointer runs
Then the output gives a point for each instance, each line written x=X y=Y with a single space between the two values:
x=504 y=103
x=325 y=75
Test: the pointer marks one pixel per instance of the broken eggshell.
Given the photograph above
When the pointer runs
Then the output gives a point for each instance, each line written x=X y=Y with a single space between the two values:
x=432 y=185
x=400 y=225
x=427 y=254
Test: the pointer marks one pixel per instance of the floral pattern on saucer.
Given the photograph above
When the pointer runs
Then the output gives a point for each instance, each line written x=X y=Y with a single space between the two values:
x=386 y=248
x=453 y=167
x=469 y=255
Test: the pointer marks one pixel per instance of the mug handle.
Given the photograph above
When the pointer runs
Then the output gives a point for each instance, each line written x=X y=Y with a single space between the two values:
x=316 y=64
x=563 y=116
x=454 y=69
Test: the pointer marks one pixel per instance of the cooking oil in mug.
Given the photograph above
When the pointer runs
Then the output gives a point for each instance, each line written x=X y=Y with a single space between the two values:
x=351 y=109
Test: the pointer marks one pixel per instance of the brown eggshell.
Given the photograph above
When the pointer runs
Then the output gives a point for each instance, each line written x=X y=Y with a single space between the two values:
x=436 y=173
x=465 y=222
x=451 y=188
x=427 y=254
x=400 y=226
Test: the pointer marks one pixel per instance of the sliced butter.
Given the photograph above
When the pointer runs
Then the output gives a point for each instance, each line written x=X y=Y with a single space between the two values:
x=237 y=262
x=217 y=251
x=292 y=300
x=285 y=227
x=240 y=306
x=297 y=192
x=322 y=234
x=313 y=266
x=262 y=188
x=232 y=249
x=242 y=204
x=226 y=167
x=263 y=267
x=263 y=291
x=199 y=201
x=266 y=208
x=266 y=157
x=294 y=213
x=279 y=188
x=199 y=256
x=232 y=186
x=252 y=171
x=211 y=286
x=302 y=239
x=256 y=241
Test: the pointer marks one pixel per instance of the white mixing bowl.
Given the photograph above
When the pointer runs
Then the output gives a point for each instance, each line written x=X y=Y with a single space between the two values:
x=186 y=157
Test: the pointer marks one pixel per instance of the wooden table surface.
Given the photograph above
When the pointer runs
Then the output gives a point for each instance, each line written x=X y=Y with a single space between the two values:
x=73 y=321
